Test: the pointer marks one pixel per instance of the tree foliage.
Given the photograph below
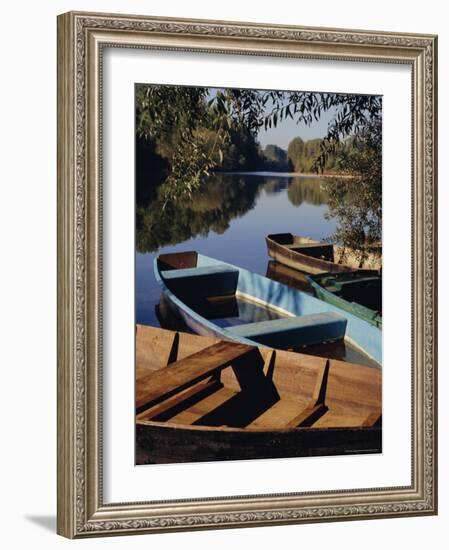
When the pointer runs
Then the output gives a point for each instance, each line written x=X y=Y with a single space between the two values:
x=356 y=201
x=303 y=155
x=276 y=158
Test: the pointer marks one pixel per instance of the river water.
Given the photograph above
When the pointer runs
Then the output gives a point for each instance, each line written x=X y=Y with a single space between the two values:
x=229 y=221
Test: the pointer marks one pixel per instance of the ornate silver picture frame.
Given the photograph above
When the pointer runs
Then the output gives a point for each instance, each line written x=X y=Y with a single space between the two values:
x=82 y=509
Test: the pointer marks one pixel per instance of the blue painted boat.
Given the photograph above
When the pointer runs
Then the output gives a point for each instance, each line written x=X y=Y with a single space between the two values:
x=205 y=293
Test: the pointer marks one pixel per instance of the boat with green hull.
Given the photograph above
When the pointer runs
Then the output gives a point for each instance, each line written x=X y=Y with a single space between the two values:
x=358 y=292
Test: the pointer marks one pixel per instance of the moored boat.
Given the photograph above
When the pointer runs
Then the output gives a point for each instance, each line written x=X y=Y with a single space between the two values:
x=312 y=256
x=201 y=398
x=215 y=298
x=358 y=292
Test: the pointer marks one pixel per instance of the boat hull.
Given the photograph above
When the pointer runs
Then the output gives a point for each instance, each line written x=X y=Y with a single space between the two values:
x=285 y=248
x=155 y=443
x=302 y=262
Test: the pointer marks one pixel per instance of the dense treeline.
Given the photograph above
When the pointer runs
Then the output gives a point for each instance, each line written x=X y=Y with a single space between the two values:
x=276 y=159
x=241 y=153
x=302 y=155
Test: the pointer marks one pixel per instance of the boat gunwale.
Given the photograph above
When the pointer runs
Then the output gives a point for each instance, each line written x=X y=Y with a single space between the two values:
x=255 y=429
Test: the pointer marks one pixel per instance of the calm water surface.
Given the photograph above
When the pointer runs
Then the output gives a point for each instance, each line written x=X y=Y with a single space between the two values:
x=273 y=204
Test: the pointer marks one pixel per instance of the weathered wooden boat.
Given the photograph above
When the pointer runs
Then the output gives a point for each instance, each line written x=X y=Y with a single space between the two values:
x=203 y=399
x=215 y=298
x=358 y=292
x=312 y=256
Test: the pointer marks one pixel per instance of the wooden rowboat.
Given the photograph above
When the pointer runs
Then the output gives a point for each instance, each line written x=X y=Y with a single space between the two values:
x=215 y=298
x=358 y=292
x=201 y=399
x=315 y=257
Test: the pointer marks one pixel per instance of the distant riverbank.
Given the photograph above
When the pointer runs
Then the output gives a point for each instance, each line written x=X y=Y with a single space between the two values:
x=284 y=174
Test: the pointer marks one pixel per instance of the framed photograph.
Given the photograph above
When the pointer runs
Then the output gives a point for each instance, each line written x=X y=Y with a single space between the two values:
x=246 y=274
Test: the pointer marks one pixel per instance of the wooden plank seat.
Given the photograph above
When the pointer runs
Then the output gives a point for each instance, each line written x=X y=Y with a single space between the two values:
x=213 y=280
x=294 y=331
x=166 y=382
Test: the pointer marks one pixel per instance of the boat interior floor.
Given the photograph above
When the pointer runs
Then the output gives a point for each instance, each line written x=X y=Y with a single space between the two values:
x=215 y=405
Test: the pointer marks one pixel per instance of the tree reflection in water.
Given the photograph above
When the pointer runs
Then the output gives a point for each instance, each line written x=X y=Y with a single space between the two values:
x=308 y=190
x=222 y=198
